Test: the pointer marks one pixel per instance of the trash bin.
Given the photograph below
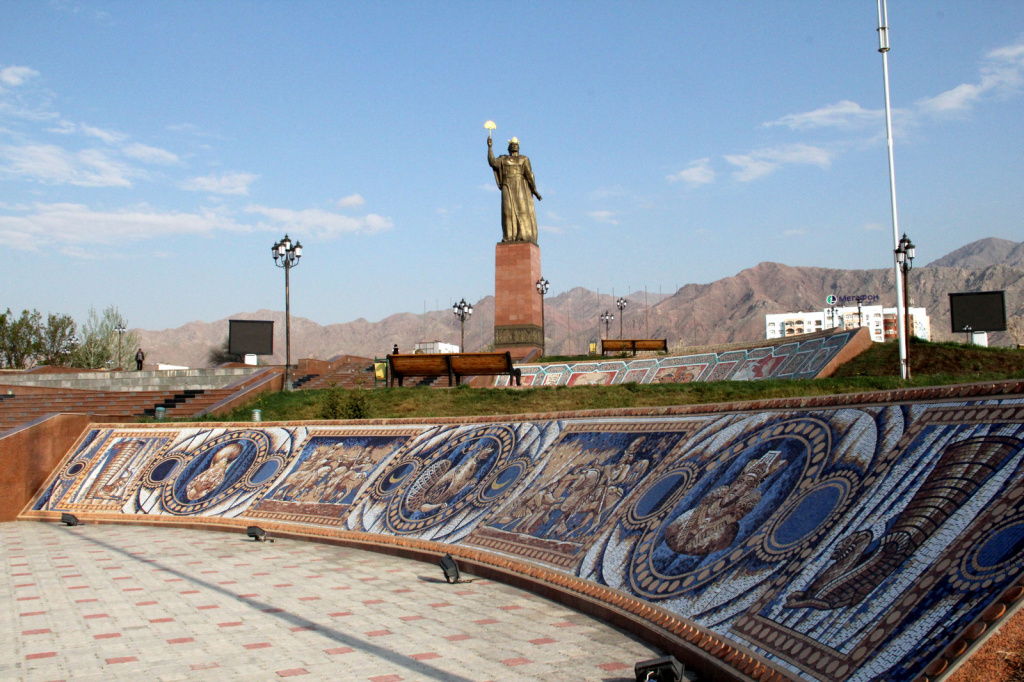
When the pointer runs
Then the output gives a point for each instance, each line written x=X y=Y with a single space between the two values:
x=160 y=413
x=257 y=415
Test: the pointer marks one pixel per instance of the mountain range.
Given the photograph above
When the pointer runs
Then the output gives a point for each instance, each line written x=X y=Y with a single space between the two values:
x=729 y=310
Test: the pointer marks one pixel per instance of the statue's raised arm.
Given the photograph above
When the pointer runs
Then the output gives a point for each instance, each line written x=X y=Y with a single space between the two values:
x=514 y=176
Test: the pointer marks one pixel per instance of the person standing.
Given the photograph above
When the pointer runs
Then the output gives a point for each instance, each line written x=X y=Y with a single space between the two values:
x=140 y=358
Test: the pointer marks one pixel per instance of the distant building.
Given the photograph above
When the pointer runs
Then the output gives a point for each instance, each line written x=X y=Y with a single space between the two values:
x=881 y=322
x=435 y=347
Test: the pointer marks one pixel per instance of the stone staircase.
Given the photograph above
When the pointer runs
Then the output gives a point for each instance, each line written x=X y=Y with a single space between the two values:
x=21 y=402
x=146 y=380
x=343 y=371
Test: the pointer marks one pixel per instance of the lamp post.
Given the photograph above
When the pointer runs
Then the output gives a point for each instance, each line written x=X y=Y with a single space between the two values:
x=607 y=318
x=462 y=310
x=833 y=311
x=120 y=329
x=621 y=305
x=542 y=288
x=905 y=261
x=287 y=255
x=66 y=349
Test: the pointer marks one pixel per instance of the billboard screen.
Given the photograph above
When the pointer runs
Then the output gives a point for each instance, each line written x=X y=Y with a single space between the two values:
x=251 y=336
x=982 y=311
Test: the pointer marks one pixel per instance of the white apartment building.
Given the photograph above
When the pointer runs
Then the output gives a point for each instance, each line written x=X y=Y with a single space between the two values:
x=881 y=322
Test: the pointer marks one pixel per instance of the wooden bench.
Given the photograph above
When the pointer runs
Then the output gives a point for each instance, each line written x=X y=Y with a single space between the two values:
x=623 y=345
x=453 y=365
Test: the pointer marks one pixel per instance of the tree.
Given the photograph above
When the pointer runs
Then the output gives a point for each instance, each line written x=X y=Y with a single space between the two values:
x=56 y=340
x=218 y=355
x=99 y=346
x=19 y=338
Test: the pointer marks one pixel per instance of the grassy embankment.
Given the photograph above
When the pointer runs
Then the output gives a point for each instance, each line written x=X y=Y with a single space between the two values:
x=933 y=364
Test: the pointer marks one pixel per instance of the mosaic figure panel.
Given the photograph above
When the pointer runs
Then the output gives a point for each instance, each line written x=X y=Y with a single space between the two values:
x=441 y=485
x=322 y=481
x=788 y=360
x=841 y=544
x=586 y=475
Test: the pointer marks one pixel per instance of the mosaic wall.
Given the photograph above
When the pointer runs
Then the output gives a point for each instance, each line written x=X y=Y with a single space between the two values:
x=794 y=360
x=842 y=543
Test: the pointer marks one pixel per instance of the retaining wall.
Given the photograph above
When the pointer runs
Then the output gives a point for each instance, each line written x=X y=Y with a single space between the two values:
x=856 y=537
x=808 y=356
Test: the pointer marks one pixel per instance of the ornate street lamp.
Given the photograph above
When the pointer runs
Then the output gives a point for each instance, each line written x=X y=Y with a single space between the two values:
x=120 y=329
x=621 y=305
x=607 y=318
x=833 y=312
x=287 y=255
x=462 y=310
x=905 y=261
x=542 y=288
x=66 y=349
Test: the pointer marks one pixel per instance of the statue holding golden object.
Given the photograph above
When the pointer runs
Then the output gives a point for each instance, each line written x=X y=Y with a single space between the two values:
x=514 y=176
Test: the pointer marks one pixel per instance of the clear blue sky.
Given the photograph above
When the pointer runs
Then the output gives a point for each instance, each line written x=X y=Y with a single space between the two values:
x=152 y=152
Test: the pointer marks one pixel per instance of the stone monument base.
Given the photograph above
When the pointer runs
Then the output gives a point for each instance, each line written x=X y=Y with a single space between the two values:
x=518 y=313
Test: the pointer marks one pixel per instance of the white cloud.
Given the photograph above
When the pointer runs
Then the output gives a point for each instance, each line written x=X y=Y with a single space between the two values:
x=1001 y=74
x=873 y=227
x=51 y=164
x=147 y=154
x=228 y=183
x=604 y=217
x=844 y=115
x=73 y=227
x=794 y=232
x=319 y=223
x=762 y=162
x=64 y=127
x=14 y=76
x=107 y=136
x=699 y=172
x=351 y=201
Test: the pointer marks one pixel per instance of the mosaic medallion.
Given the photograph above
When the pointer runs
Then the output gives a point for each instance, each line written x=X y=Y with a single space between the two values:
x=437 y=481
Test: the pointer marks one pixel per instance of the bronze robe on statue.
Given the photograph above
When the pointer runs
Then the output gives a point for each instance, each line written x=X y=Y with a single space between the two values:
x=515 y=179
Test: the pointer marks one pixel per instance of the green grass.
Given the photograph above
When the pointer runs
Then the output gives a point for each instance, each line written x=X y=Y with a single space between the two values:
x=933 y=364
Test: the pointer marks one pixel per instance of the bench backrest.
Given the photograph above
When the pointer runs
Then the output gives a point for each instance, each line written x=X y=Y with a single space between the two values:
x=652 y=344
x=481 y=363
x=419 y=365
x=613 y=345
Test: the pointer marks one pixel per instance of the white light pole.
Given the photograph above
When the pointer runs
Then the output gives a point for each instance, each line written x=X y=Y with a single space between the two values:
x=901 y=328
x=287 y=255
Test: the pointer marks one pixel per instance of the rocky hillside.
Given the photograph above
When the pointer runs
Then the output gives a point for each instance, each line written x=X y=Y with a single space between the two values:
x=729 y=310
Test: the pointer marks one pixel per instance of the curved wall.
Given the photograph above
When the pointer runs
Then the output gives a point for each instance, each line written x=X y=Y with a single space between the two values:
x=805 y=357
x=848 y=537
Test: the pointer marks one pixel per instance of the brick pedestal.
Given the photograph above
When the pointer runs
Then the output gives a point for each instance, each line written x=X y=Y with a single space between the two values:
x=518 y=316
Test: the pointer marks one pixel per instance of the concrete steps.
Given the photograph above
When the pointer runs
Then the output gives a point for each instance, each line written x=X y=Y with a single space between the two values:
x=146 y=380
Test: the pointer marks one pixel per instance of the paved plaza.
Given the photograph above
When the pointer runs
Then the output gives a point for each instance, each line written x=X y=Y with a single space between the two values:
x=107 y=602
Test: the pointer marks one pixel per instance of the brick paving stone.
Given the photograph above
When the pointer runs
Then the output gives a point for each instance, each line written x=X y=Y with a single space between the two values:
x=364 y=617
